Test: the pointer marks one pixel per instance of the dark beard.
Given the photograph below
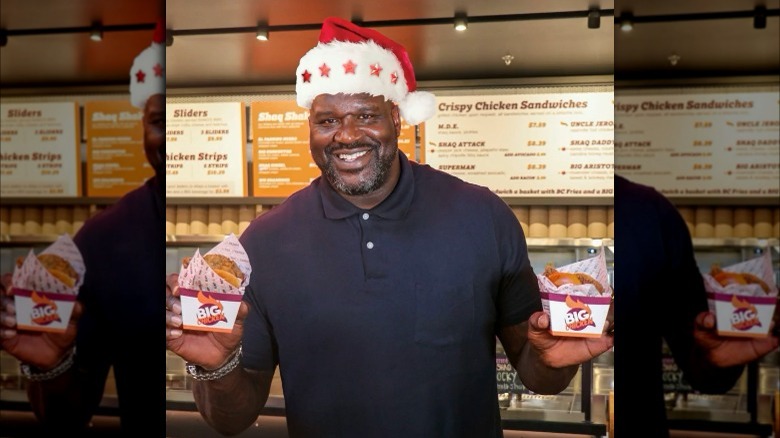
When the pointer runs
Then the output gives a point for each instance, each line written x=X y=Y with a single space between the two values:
x=378 y=170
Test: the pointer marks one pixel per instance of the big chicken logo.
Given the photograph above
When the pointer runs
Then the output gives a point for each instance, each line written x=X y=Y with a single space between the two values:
x=579 y=316
x=210 y=311
x=745 y=315
x=44 y=311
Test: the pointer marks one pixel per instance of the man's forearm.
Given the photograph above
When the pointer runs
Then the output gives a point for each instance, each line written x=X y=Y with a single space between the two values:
x=66 y=402
x=232 y=403
x=540 y=378
x=708 y=378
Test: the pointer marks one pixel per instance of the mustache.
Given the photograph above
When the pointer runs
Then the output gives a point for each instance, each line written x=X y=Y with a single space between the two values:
x=354 y=145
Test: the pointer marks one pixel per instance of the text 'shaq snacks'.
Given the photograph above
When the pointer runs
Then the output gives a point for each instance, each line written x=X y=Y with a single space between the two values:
x=577 y=297
x=46 y=286
x=742 y=296
x=212 y=285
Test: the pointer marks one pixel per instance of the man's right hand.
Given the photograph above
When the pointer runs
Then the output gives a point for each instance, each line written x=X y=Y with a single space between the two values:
x=210 y=350
x=43 y=350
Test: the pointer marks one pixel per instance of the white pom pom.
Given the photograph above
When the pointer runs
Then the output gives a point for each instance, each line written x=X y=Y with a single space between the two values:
x=418 y=107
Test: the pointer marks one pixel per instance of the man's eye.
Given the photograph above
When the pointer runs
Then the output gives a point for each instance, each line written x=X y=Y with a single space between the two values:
x=328 y=121
x=367 y=116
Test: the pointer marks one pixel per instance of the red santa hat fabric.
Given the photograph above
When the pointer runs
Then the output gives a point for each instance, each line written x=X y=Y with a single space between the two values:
x=147 y=75
x=350 y=59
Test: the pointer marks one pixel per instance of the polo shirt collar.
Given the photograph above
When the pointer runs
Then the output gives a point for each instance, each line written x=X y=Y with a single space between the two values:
x=393 y=207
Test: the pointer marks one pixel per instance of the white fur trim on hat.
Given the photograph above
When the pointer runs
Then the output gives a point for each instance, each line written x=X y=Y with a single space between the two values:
x=418 y=107
x=361 y=67
x=147 y=75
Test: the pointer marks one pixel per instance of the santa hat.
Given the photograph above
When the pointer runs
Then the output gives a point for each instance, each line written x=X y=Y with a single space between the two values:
x=147 y=75
x=351 y=60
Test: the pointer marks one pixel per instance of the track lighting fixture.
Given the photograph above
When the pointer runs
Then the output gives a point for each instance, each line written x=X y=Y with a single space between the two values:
x=461 y=22
x=594 y=19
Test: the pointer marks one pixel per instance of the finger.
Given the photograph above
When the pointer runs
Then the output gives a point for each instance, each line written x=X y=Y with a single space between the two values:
x=243 y=311
x=171 y=334
x=7 y=305
x=709 y=321
x=705 y=320
x=172 y=283
x=8 y=321
x=173 y=304
x=539 y=321
x=172 y=319
x=6 y=288
x=7 y=333
x=78 y=309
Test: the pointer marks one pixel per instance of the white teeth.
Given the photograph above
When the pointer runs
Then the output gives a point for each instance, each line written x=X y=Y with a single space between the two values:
x=353 y=156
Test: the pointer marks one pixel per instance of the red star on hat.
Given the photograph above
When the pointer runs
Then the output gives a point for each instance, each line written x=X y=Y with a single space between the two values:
x=140 y=75
x=324 y=70
x=349 y=67
x=393 y=77
x=158 y=70
x=306 y=76
x=376 y=69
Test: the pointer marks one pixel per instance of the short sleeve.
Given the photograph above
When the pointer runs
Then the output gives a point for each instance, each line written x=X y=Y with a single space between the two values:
x=518 y=293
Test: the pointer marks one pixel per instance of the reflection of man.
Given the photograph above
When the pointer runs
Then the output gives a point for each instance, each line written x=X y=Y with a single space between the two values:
x=115 y=323
x=378 y=290
x=660 y=296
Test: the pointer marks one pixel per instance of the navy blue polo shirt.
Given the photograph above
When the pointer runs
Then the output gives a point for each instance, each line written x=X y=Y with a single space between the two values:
x=123 y=249
x=383 y=321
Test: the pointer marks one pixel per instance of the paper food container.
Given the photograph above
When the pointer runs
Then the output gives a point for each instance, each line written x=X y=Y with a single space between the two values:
x=743 y=306
x=209 y=302
x=578 y=310
x=43 y=302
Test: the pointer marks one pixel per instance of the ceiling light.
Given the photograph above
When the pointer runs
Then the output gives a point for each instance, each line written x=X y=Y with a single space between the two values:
x=626 y=22
x=168 y=37
x=759 y=19
x=594 y=19
x=461 y=22
x=507 y=58
x=673 y=59
x=262 y=33
x=97 y=32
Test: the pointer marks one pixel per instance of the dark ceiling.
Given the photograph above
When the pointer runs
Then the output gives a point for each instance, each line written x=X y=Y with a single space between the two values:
x=214 y=45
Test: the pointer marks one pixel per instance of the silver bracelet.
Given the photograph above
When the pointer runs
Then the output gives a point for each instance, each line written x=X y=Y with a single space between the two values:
x=33 y=373
x=198 y=373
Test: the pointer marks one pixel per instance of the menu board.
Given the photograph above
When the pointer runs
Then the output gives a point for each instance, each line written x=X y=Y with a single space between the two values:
x=116 y=162
x=280 y=148
x=205 y=149
x=406 y=140
x=688 y=144
x=39 y=150
x=526 y=145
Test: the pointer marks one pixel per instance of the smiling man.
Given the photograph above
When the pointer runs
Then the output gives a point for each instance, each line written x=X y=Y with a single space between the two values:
x=379 y=289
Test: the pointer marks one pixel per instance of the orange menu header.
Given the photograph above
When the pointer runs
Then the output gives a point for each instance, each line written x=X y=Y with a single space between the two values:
x=116 y=162
x=280 y=148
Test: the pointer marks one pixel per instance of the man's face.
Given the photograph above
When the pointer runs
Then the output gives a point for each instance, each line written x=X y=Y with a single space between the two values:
x=154 y=133
x=354 y=140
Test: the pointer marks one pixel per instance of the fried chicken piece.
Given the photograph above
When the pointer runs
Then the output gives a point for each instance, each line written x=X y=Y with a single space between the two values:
x=223 y=266
x=57 y=266
x=726 y=278
x=560 y=278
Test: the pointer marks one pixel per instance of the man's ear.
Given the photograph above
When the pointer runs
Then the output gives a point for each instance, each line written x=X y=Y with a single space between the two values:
x=396 y=114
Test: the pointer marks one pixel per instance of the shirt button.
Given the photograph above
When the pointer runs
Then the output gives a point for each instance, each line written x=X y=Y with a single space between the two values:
x=365 y=216
x=370 y=245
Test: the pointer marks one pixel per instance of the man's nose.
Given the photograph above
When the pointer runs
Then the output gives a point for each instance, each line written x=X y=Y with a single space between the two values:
x=348 y=131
